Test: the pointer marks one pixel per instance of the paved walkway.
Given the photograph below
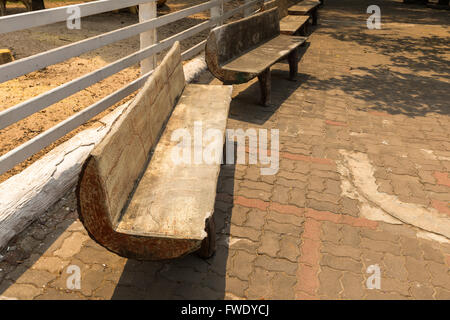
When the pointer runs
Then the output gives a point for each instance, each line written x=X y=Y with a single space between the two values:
x=363 y=182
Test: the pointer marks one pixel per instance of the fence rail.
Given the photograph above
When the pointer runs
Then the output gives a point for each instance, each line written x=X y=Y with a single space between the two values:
x=23 y=66
x=40 y=18
x=18 y=68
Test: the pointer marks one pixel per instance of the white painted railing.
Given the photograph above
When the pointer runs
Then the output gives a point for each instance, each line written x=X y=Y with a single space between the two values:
x=38 y=61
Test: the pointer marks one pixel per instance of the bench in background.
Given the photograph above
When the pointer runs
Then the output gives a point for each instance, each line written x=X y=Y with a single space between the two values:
x=289 y=24
x=242 y=50
x=308 y=7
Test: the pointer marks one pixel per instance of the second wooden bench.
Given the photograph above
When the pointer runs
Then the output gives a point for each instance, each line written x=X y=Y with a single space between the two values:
x=308 y=7
x=240 y=51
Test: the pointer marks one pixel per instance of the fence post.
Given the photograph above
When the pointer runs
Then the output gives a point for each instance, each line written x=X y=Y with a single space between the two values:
x=147 y=11
x=217 y=12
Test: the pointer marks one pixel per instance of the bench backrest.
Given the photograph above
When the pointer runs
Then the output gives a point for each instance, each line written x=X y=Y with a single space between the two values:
x=282 y=6
x=120 y=158
x=233 y=39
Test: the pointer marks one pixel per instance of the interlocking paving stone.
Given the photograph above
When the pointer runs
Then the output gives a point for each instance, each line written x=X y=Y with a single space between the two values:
x=300 y=233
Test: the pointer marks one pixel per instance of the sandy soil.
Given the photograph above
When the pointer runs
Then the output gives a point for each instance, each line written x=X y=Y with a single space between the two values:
x=32 y=41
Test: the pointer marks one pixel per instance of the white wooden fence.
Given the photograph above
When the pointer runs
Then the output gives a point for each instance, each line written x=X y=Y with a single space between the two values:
x=146 y=28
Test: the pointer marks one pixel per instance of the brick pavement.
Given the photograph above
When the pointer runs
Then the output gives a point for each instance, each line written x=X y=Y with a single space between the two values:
x=364 y=177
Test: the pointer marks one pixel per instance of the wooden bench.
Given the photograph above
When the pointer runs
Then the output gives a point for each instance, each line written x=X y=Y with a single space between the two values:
x=440 y=5
x=133 y=198
x=308 y=7
x=290 y=25
x=242 y=50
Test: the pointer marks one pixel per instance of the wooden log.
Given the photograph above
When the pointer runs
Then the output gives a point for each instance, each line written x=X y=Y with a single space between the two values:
x=31 y=192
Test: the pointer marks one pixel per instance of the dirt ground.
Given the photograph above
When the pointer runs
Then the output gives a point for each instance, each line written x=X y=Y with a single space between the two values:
x=32 y=41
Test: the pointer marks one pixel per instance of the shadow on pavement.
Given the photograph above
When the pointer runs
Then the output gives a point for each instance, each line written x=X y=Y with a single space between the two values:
x=189 y=277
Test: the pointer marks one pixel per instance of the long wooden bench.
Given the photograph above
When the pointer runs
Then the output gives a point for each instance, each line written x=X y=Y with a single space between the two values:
x=242 y=50
x=307 y=7
x=290 y=25
x=133 y=198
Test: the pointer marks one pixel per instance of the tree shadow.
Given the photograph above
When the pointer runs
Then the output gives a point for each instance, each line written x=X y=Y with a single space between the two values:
x=415 y=80
x=390 y=91
x=417 y=53
x=188 y=277
x=391 y=11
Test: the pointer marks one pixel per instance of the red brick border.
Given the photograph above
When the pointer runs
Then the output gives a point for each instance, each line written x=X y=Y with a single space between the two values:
x=441 y=206
x=442 y=178
x=336 y=123
x=308 y=262
x=251 y=203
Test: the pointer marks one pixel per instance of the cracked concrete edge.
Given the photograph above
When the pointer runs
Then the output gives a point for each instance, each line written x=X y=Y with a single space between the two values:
x=31 y=192
x=359 y=170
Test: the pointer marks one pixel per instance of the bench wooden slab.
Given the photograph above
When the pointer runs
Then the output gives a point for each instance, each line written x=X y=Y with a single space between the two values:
x=289 y=24
x=242 y=50
x=294 y=24
x=133 y=198
x=168 y=199
x=267 y=54
x=308 y=7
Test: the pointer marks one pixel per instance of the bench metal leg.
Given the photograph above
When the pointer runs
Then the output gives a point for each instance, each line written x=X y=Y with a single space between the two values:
x=265 y=85
x=293 y=64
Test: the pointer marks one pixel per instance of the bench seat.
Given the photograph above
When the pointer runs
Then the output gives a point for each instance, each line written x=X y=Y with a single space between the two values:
x=304 y=7
x=134 y=197
x=173 y=201
x=310 y=8
x=262 y=57
x=290 y=25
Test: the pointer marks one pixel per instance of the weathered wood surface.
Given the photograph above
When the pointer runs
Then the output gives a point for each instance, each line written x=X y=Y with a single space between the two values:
x=289 y=25
x=174 y=200
x=281 y=5
x=110 y=175
x=230 y=41
x=27 y=195
x=294 y=24
x=265 y=55
x=240 y=51
x=304 y=7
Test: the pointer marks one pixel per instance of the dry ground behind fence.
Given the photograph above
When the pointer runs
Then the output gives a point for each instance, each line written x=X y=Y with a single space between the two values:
x=32 y=41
